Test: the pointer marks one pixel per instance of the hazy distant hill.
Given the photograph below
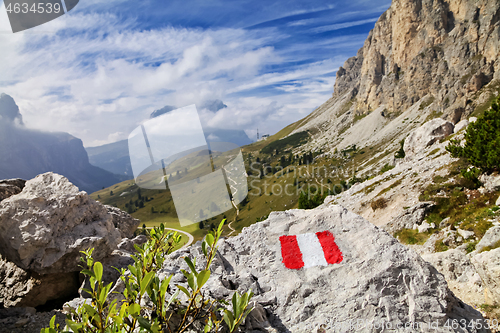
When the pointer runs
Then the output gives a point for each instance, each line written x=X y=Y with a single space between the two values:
x=26 y=153
x=114 y=157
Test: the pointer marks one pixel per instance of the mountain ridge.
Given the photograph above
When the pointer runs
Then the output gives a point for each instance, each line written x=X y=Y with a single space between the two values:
x=441 y=54
x=26 y=153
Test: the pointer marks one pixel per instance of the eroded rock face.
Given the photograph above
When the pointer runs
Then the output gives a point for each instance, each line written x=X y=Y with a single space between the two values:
x=448 y=49
x=490 y=182
x=379 y=279
x=43 y=228
x=410 y=218
x=10 y=187
x=426 y=135
x=23 y=288
x=488 y=266
x=123 y=222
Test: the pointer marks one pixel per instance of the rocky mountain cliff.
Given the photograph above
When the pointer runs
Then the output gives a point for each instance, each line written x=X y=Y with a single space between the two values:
x=25 y=153
x=440 y=55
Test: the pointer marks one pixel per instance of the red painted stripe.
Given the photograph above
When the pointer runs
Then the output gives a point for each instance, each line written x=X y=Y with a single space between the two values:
x=333 y=255
x=290 y=251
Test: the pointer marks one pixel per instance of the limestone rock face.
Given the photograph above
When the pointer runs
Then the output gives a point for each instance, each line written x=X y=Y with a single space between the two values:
x=490 y=238
x=423 y=59
x=426 y=135
x=43 y=228
x=123 y=222
x=410 y=218
x=490 y=182
x=378 y=280
x=488 y=266
x=448 y=49
x=461 y=125
x=10 y=187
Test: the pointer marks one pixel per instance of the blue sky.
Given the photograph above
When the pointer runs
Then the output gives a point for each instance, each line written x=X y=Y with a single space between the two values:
x=100 y=70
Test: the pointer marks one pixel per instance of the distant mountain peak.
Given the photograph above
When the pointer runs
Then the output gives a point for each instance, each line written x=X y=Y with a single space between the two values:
x=9 y=110
x=213 y=105
x=162 y=111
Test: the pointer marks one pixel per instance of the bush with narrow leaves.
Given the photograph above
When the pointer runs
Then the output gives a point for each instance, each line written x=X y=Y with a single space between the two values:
x=166 y=312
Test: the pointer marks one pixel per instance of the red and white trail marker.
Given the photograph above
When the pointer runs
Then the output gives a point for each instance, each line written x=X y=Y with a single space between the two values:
x=308 y=250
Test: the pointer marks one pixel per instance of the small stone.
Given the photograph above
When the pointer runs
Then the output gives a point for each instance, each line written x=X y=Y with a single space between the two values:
x=461 y=125
x=424 y=227
x=443 y=223
x=490 y=238
x=465 y=234
x=22 y=322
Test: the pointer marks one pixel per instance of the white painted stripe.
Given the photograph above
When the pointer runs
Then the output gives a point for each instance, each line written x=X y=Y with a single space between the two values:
x=312 y=252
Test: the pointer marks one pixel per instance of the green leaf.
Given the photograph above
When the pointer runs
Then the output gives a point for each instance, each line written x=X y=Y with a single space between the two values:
x=221 y=224
x=90 y=310
x=98 y=271
x=88 y=272
x=203 y=278
x=144 y=323
x=204 y=248
x=164 y=285
x=191 y=265
x=229 y=319
x=134 y=309
x=184 y=290
x=75 y=327
x=208 y=326
x=210 y=239
x=236 y=304
x=52 y=323
x=146 y=280
x=172 y=298
x=192 y=281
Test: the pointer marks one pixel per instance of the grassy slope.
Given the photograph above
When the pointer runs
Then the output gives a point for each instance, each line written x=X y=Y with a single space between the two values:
x=260 y=200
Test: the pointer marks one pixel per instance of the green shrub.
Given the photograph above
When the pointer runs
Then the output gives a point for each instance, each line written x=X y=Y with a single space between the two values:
x=471 y=246
x=482 y=141
x=386 y=168
x=306 y=201
x=411 y=236
x=440 y=246
x=168 y=313
x=401 y=152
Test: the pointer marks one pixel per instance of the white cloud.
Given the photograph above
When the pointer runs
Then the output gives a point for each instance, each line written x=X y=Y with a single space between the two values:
x=99 y=76
x=344 y=25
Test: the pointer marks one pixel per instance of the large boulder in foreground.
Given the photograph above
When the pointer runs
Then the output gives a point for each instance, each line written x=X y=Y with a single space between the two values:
x=44 y=228
x=378 y=280
x=426 y=135
x=42 y=231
